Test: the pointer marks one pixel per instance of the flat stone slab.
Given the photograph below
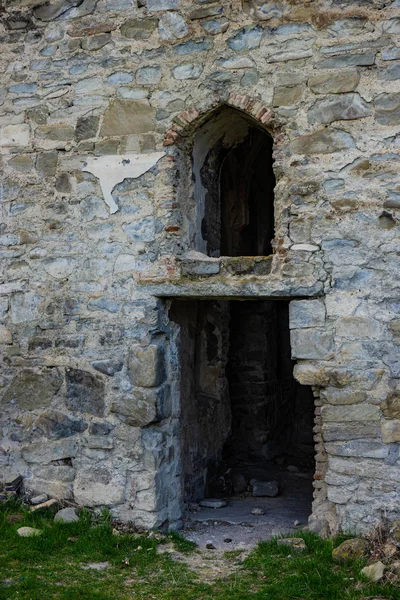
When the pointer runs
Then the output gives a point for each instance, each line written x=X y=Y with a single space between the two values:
x=213 y=503
x=28 y=531
x=99 y=566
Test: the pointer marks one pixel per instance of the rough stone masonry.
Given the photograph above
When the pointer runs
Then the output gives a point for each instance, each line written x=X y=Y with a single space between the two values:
x=90 y=408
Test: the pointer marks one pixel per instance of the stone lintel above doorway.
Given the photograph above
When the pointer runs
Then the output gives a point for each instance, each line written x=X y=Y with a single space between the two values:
x=196 y=275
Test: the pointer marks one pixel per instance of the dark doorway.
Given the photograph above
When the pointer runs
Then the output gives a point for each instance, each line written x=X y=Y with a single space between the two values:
x=233 y=186
x=242 y=412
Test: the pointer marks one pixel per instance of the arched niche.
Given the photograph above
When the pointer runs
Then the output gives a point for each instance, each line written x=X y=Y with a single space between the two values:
x=233 y=185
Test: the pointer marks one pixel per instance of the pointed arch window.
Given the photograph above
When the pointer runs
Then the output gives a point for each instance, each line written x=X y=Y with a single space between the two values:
x=233 y=186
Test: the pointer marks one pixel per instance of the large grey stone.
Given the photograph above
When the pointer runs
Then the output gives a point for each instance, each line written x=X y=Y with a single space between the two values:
x=338 y=108
x=158 y=5
x=28 y=531
x=324 y=141
x=30 y=390
x=66 y=515
x=142 y=407
x=108 y=367
x=268 y=489
x=392 y=25
x=362 y=448
x=46 y=164
x=59 y=268
x=99 y=442
x=125 y=117
x=138 y=29
x=311 y=343
x=146 y=365
x=14 y=136
x=188 y=71
x=391 y=406
x=306 y=313
x=339 y=396
x=390 y=73
x=86 y=127
x=348 y=27
x=56 y=425
x=56 y=133
x=215 y=26
x=361 y=59
x=370 y=468
x=206 y=11
x=247 y=38
x=357 y=328
x=49 y=11
x=99 y=486
x=349 y=550
x=148 y=75
x=387 y=109
x=332 y=432
x=51 y=472
x=354 y=412
x=26 y=307
x=46 y=452
x=374 y=572
x=95 y=42
x=391 y=431
x=338 y=82
x=85 y=392
x=172 y=26
x=287 y=95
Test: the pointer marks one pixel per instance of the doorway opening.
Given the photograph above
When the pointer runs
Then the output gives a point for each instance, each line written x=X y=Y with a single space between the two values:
x=246 y=425
x=234 y=184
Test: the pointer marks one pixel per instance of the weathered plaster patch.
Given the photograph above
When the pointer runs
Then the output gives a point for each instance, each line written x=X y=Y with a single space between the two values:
x=113 y=169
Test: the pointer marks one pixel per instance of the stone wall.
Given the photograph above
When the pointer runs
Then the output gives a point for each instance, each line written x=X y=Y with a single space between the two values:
x=99 y=106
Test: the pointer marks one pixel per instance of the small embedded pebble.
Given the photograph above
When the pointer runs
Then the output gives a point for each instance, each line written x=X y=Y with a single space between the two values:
x=258 y=511
x=39 y=499
x=210 y=546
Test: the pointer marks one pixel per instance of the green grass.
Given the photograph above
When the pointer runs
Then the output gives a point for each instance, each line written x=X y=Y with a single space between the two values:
x=50 y=567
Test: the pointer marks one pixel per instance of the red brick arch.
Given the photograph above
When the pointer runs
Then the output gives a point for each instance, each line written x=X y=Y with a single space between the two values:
x=187 y=120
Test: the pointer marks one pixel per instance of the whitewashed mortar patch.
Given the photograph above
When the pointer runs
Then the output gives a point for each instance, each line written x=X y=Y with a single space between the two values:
x=113 y=169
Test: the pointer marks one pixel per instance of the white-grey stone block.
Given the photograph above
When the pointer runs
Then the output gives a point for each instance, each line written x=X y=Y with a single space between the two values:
x=391 y=431
x=146 y=365
x=306 y=313
x=14 y=135
x=46 y=452
x=362 y=448
x=354 y=412
x=311 y=343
